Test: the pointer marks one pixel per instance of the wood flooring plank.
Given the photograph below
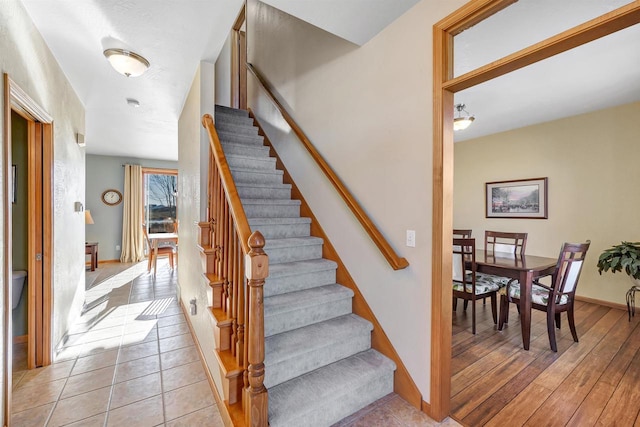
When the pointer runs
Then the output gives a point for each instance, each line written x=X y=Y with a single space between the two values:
x=523 y=406
x=565 y=400
x=624 y=406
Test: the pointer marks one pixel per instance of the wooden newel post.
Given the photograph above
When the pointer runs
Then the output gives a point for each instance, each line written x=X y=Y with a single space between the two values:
x=256 y=270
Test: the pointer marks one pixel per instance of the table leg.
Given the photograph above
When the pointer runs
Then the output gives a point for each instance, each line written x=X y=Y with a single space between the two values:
x=155 y=257
x=526 y=279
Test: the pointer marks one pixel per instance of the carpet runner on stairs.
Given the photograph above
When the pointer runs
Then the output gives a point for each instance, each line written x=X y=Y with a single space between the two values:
x=319 y=364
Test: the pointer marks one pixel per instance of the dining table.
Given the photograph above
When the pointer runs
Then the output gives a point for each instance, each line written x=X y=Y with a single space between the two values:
x=524 y=268
x=157 y=239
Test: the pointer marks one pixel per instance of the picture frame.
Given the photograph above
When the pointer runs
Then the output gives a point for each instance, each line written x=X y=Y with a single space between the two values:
x=14 y=184
x=521 y=198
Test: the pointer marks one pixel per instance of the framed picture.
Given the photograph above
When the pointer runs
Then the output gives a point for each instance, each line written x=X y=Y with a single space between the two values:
x=14 y=184
x=522 y=198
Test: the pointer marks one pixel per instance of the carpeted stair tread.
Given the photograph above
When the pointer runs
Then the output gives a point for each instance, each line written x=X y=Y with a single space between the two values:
x=294 y=268
x=230 y=127
x=252 y=150
x=271 y=172
x=293 y=310
x=252 y=163
x=328 y=394
x=299 y=275
x=279 y=221
x=235 y=118
x=302 y=350
x=229 y=137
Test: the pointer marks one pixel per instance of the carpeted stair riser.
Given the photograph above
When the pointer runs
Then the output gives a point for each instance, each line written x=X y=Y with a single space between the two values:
x=314 y=346
x=281 y=228
x=233 y=138
x=264 y=164
x=243 y=176
x=240 y=149
x=233 y=111
x=276 y=191
x=228 y=127
x=294 y=310
x=328 y=394
x=300 y=275
x=271 y=210
x=233 y=118
x=295 y=249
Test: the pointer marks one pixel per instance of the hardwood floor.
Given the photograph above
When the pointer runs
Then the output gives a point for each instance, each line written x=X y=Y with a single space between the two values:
x=495 y=382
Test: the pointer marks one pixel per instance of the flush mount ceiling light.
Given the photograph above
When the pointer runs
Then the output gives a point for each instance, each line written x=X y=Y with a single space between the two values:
x=133 y=102
x=125 y=62
x=462 y=121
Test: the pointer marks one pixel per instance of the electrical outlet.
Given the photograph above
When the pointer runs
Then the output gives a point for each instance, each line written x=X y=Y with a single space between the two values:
x=411 y=238
x=117 y=247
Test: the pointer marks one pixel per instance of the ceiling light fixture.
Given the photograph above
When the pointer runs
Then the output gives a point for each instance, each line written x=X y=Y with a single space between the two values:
x=126 y=62
x=462 y=121
x=133 y=102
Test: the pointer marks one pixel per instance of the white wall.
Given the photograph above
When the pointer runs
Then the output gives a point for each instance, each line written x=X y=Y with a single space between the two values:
x=223 y=74
x=190 y=272
x=368 y=111
x=31 y=65
x=105 y=172
x=591 y=163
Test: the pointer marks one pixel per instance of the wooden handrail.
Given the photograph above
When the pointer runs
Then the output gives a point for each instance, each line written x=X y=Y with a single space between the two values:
x=394 y=260
x=237 y=211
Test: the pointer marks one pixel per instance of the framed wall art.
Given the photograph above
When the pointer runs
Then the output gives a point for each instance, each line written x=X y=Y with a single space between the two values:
x=522 y=198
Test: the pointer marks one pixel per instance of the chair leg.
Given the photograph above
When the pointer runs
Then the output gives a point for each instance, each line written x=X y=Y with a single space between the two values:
x=455 y=303
x=171 y=261
x=473 y=315
x=572 y=324
x=552 y=331
x=484 y=301
x=150 y=261
x=494 y=308
x=558 y=320
x=466 y=304
x=504 y=311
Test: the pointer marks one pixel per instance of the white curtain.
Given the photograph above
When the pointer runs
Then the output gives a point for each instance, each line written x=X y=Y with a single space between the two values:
x=132 y=212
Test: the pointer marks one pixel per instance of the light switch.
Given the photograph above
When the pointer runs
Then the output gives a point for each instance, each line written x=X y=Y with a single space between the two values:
x=411 y=238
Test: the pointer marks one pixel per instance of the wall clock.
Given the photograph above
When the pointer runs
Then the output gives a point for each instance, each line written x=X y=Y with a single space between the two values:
x=111 y=197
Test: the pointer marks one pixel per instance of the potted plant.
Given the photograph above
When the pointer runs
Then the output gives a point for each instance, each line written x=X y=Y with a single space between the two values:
x=625 y=256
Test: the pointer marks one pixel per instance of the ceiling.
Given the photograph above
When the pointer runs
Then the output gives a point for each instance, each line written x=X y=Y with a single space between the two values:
x=598 y=75
x=176 y=35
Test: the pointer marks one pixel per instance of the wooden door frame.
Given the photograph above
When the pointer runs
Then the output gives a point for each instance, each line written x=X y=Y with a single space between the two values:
x=238 y=62
x=444 y=87
x=15 y=99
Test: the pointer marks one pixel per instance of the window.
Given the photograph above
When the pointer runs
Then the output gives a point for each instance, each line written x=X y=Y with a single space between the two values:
x=160 y=193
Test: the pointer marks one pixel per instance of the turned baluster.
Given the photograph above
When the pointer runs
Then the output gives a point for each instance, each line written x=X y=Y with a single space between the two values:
x=257 y=269
x=240 y=317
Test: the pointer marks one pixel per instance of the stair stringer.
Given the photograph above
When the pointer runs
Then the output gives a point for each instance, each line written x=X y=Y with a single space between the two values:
x=403 y=384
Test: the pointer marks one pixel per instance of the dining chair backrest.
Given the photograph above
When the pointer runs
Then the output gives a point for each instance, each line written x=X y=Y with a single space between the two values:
x=568 y=269
x=505 y=243
x=462 y=233
x=464 y=260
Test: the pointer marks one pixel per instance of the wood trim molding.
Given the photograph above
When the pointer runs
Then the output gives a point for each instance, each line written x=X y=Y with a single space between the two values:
x=602 y=302
x=6 y=161
x=403 y=383
x=396 y=262
x=20 y=100
x=159 y=171
x=444 y=86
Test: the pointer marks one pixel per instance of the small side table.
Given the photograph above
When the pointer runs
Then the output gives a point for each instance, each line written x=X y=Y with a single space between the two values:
x=91 y=248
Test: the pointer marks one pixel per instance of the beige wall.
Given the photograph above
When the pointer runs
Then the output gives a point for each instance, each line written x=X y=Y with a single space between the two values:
x=591 y=161
x=31 y=65
x=190 y=279
x=368 y=110
x=223 y=74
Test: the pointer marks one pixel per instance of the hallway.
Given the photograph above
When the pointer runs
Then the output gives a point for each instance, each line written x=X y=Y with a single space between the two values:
x=129 y=360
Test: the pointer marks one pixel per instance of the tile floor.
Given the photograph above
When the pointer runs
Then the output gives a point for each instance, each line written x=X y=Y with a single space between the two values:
x=128 y=361
x=131 y=361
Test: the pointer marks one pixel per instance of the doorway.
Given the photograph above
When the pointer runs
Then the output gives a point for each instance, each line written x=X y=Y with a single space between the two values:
x=38 y=226
x=239 y=62
x=445 y=85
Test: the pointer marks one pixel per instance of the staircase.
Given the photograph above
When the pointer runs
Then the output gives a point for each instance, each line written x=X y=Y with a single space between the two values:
x=319 y=365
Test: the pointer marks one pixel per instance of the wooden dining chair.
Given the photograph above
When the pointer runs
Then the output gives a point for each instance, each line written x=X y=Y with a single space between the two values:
x=466 y=284
x=553 y=299
x=168 y=251
x=504 y=243
x=462 y=233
